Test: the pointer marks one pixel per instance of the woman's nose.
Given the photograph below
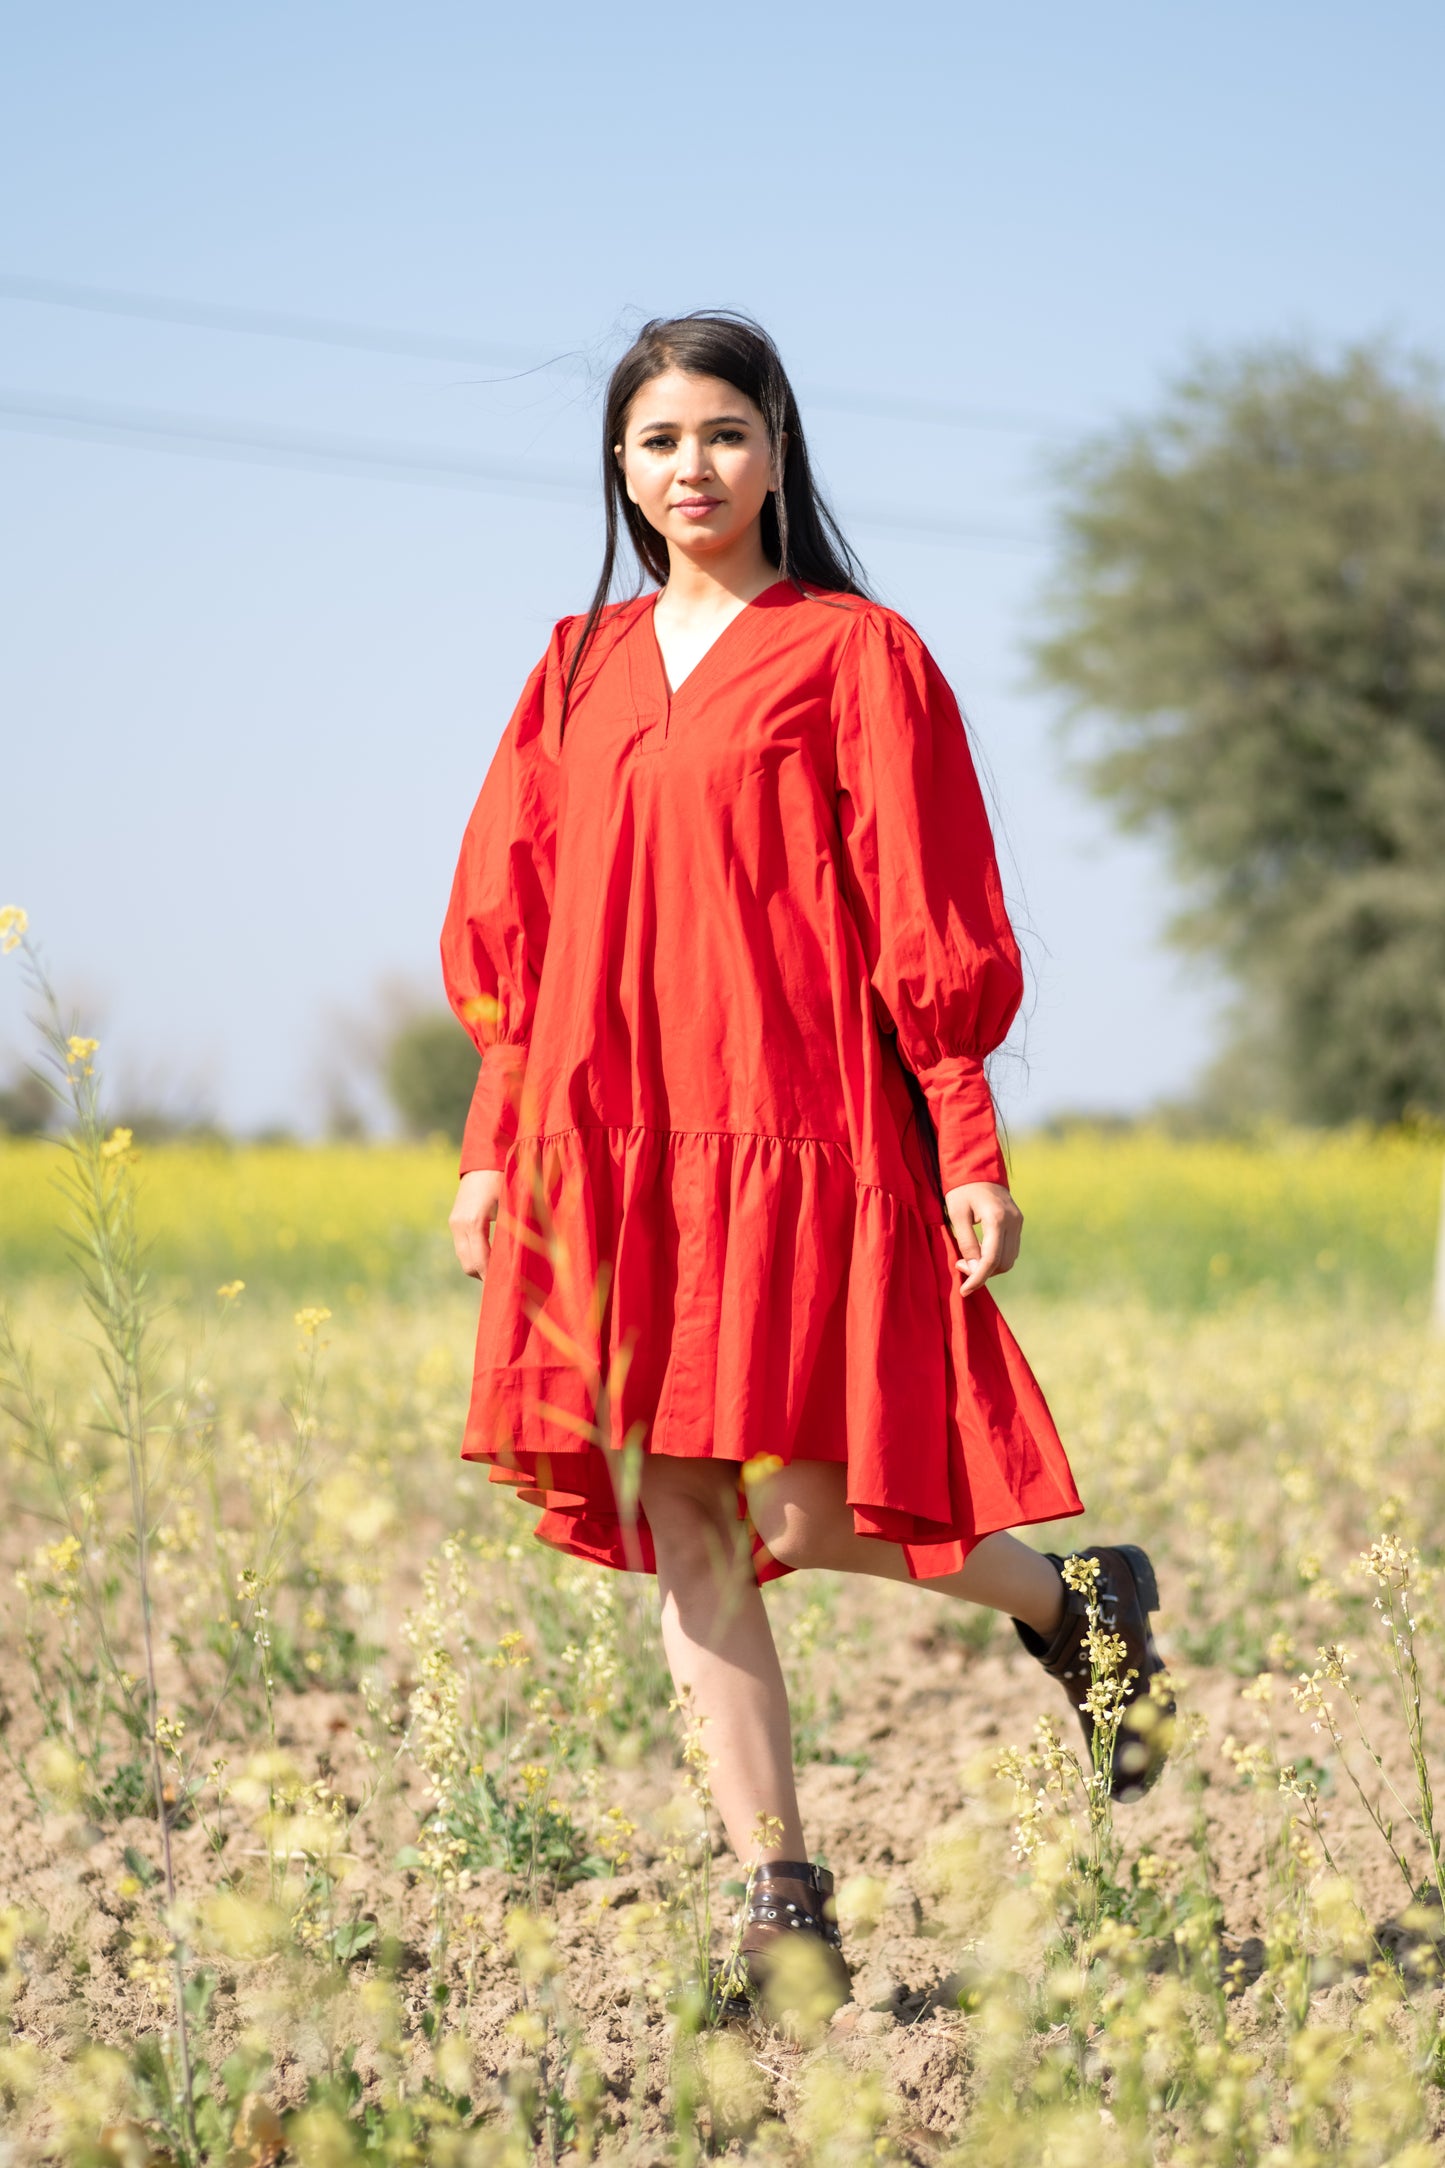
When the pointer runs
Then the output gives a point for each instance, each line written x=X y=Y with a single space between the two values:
x=693 y=464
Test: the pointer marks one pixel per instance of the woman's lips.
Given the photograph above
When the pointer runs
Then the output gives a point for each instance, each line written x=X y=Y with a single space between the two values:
x=697 y=507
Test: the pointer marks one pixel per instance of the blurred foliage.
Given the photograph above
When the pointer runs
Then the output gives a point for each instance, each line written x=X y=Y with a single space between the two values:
x=26 y=1105
x=290 y=1220
x=152 y=1123
x=398 y=1728
x=1189 y=1223
x=1249 y=615
x=1181 y=1223
x=430 y=1074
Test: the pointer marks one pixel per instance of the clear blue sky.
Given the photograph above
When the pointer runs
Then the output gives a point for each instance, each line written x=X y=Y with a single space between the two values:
x=246 y=708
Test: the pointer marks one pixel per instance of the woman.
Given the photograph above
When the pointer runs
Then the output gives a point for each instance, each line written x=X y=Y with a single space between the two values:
x=727 y=930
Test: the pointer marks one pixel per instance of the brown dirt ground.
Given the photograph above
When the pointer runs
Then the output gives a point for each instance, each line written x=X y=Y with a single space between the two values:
x=923 y=1712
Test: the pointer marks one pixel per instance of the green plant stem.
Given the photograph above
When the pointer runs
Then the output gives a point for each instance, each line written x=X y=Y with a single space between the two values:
x=103 y=1194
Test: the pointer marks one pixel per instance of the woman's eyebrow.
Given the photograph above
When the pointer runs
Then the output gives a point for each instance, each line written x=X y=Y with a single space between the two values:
x=737 y=421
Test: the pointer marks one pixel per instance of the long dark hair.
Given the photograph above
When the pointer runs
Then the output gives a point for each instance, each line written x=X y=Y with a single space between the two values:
x=799 y=533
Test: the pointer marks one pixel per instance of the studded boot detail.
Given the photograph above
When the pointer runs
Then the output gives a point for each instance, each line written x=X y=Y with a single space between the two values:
x=1128 y=1592
x=789 y=1898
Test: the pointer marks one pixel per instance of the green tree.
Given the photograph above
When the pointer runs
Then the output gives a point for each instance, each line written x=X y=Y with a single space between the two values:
x=1248 y=617
x=430 y=1073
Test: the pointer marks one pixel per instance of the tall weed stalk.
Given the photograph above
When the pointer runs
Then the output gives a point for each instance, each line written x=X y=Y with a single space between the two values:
x=133 y=1407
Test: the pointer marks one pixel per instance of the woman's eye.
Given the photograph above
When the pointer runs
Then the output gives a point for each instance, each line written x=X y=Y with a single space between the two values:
x=656 y=444
x=728 y=436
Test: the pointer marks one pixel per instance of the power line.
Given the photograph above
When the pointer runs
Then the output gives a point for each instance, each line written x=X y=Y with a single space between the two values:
x=207 y=436
x=434 y=346
x=266 y=323
x=210 y=436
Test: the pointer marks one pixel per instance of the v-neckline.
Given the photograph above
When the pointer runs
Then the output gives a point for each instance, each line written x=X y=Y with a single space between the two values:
x=673 y=693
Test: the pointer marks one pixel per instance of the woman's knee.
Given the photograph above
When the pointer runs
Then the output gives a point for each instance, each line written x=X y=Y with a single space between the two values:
x=692 y=1511
x=792 y=1536
x=799 y=1515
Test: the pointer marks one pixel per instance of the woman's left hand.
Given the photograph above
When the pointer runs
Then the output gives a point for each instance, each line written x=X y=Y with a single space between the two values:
x=991 y=1208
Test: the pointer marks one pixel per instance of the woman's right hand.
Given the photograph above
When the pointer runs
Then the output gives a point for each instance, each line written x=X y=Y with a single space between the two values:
x=473 y=1219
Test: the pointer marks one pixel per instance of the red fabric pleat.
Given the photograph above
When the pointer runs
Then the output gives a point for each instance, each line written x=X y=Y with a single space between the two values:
x=794 y=1312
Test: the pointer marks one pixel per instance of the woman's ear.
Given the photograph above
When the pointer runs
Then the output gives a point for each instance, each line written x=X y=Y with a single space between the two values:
x=617 y=455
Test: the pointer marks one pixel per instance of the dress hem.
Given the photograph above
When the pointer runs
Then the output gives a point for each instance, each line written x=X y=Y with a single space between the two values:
x=570 y=1528
x=798 y=1313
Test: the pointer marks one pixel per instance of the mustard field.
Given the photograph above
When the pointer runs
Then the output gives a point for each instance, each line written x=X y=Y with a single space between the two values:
x=341 y=1822
x=1298 y=1214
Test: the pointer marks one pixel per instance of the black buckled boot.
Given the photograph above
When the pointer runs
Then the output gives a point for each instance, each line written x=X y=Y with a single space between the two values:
x=1128 y=1593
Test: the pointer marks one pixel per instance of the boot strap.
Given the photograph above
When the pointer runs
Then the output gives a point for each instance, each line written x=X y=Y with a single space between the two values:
x=771 y=1909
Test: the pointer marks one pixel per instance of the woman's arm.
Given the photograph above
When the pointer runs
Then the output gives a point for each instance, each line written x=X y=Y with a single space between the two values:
x=494 y=941
x=922 y=879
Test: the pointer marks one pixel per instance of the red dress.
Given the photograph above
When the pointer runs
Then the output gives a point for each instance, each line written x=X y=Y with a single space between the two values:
x=692 y=937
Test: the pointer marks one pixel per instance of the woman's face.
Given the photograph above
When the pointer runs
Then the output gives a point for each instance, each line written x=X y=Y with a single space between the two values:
x=695 y=461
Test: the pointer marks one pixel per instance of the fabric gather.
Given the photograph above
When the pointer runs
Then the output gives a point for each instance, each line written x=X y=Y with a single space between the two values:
x=794 y=1312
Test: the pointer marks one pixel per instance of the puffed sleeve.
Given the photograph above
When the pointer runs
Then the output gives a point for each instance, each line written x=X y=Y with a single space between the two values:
x=495 y=934
x=922 y=879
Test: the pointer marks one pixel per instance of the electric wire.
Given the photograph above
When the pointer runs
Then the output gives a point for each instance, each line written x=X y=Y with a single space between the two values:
x=210 y=436
x=436 y=346
x=263 y=323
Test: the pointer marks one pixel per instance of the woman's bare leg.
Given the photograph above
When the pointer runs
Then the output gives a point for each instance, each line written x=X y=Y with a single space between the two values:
x=803 y=1517
x=719 y=1644
x=715 y=1628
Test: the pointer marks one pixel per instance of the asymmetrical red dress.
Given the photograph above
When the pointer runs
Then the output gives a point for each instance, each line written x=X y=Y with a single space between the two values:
x=694 y=937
